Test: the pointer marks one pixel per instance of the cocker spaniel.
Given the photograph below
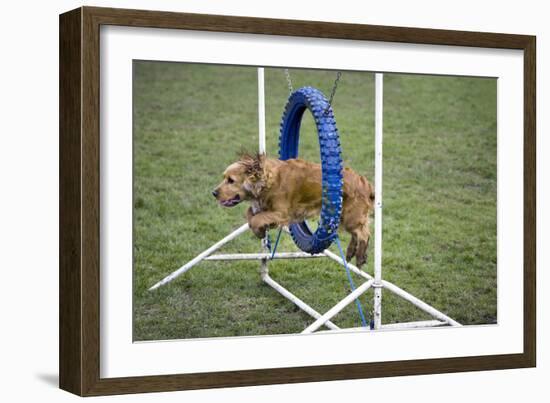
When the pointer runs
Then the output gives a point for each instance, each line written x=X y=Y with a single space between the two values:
x=283 y=192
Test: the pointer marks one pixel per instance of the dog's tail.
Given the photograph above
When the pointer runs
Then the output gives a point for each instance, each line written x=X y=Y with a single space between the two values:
x=369 y=189
x=371 y=192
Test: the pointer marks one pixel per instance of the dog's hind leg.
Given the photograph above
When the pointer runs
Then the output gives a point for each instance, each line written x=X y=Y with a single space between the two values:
x=359 y=244
x=352 y=248
x=362 y=254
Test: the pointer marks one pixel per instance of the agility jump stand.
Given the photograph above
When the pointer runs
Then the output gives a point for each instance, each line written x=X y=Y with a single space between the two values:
x=377 y=282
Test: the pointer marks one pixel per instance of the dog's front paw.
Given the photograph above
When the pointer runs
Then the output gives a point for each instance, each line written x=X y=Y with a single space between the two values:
x=259 y=231
x=258 y=227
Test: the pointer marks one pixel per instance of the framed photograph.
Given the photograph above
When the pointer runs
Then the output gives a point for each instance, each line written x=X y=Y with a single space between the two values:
x=248 y=201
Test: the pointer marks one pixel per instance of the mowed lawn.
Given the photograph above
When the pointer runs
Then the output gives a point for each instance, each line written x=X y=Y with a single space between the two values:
x=439 y=231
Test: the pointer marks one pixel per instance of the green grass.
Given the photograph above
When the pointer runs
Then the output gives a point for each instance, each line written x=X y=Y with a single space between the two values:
x=439 y=198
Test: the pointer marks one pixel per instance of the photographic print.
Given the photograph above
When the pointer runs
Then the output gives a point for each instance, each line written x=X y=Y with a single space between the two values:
x=199 y=176
x=241 y=209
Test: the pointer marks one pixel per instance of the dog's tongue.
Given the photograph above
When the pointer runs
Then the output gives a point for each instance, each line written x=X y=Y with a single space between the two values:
x=231 y=202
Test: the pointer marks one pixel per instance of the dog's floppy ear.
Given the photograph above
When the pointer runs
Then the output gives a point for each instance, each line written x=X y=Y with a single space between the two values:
x=254 y=171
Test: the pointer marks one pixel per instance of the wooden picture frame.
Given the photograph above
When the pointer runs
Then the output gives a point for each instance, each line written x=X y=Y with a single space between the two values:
x=79 y=200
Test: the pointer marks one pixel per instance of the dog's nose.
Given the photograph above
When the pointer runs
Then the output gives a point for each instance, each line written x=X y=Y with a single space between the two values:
x=215 y=193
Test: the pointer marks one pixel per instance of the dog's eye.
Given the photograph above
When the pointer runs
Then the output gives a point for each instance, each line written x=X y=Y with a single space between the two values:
x=230 y=180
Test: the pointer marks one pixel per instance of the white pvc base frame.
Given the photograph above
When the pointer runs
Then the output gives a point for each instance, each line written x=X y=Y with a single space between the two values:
x=376 y=282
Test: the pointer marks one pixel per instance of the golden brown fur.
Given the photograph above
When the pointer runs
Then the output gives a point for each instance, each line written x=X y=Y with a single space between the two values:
x=282 y=192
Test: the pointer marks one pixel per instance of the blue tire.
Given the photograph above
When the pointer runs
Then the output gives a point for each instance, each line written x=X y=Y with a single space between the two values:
x=331 y=162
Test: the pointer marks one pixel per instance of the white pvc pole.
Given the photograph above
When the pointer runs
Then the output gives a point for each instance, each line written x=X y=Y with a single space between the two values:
x=378 y=132
x=397 y=291
x=201 y=256
x=261 y=135
x=338 y=307
x=351 y=266
x=261 y=110
x=295 y=300
x=391 y=326
x=260 y=256
x=419 y=303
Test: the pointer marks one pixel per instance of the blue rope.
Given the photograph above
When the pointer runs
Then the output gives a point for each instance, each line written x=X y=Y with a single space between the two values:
x=276 y=243
x=352 y=285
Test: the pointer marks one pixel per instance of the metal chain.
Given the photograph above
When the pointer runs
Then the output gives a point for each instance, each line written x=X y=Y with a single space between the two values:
x=332 y=92
x=289 y=81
